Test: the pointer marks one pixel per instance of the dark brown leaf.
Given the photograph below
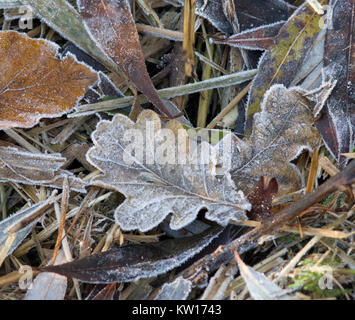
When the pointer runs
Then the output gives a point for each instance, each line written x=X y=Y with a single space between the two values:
x=132 y=262
x=337 y=121
x=250 y=14
x=112 y=26
x=82 y=56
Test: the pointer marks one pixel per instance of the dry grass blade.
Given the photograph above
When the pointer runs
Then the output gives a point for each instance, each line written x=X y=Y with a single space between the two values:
x=334 y=234
x=229 y=107
x=306 y=248
x=4 y=250
x=189 y=35
x=328 y=166
x=13 y=277
x=312 y=172
x=63 y=212
x=160 y=32
x=349 y=155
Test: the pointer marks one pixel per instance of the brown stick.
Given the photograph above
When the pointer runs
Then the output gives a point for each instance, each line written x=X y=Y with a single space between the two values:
x=344 y=178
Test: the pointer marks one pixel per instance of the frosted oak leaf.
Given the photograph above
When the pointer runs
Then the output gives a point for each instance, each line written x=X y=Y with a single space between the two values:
x=281 y=131
x=155 y=178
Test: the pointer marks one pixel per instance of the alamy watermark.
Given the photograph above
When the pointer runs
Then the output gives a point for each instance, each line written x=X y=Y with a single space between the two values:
x=26 y=17
x=177 y=147
x=326 y=20
x=326 y=280
x=25 y=281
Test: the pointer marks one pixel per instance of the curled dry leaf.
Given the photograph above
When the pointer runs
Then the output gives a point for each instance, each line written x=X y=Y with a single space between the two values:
x=132 y=262
x=18 y=165
x=111 y=25
x=281 y=62
x=35 y=83
x=159 y=175
x=280 y=132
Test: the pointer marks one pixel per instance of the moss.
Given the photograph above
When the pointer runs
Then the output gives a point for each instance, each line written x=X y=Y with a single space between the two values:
x=311 y=281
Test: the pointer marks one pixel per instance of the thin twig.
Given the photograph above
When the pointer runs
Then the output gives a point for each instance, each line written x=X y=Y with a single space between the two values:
x=161 y=33
x=229 y=107
x=346 y=177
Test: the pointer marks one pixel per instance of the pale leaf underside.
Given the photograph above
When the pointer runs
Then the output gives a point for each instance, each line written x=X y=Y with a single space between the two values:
x=260 y=287
x=49 y=286
x=154 y=190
